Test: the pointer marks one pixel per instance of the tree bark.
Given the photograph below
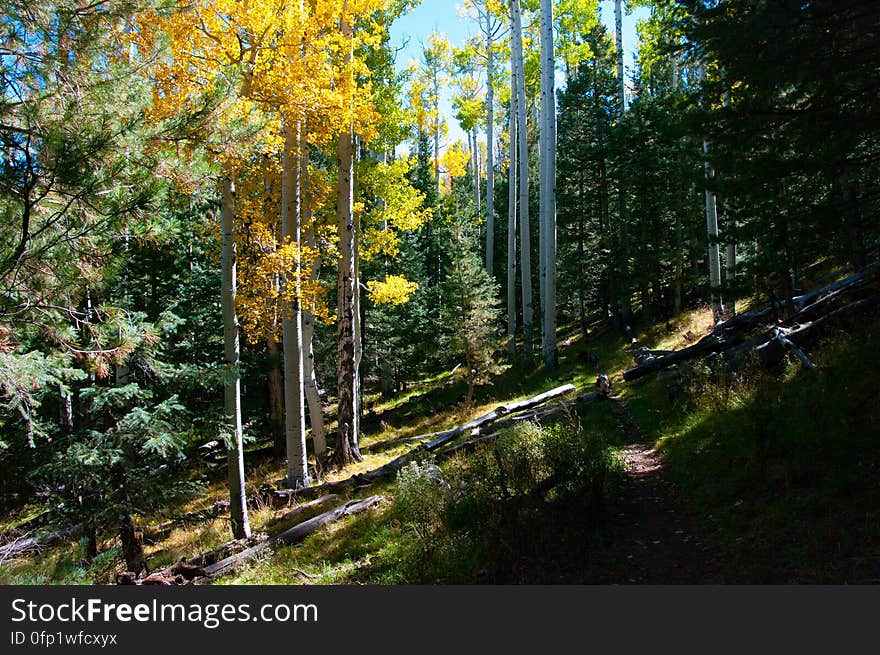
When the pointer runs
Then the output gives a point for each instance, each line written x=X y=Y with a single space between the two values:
x=276 y=397
x=511 y=222
x=235 y=453
x=347 y=441
x=714 y=259
x=294 y=535
x=476 y=173
x=132 y=550
x=490 y=149
x=312 y=392
x=522 y=135
x=618 y=40
x=548 y=188
x=294 y=392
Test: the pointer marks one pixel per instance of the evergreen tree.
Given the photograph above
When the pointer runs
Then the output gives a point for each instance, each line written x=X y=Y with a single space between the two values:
x=470 y=303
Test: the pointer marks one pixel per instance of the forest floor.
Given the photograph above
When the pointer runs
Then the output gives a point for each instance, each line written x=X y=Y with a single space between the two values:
x=766 y=479
x=652 y=536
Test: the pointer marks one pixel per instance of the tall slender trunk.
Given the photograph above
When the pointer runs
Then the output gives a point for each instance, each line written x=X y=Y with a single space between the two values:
x=712 y=238
x=294 y=391
x=275 y=379
x=132 y=550
x=511 y=224
x=347 y=441
x=436 y=99
x=548 y=190
x=313 y=396
x=358 y=313
x=618 y=40
x=232 y=391
x=581 y=250
x=730 y=264
x=476 y=174
x=490 y=151
x=276 y=397
x=714 y=259
x=522 y=135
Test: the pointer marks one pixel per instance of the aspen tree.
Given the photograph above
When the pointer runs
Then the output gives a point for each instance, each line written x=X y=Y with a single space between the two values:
x=525 y=255
x=548 y=183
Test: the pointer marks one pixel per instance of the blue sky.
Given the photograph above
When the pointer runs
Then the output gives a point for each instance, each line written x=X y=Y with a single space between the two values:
x=409 y=31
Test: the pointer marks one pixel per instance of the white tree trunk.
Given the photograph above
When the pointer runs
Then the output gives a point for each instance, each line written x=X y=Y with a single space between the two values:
x=618 y=39
x=712 y=236
x=712 y=231
x=313 y=396
x=731 y=262
x=232 y=391
x=490 y=151
x=436 y=102
x=476 y=173
x=347 y=346
x=347 y=379
x=291 y=323
x=548 y=188
x=522 y=134
x=511 y=224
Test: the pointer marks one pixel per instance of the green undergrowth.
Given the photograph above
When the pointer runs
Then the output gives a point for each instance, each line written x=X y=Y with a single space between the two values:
x=474 y=518
x=782 y=468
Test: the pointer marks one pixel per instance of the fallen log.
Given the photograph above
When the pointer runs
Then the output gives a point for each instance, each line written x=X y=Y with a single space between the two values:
x=391 y=468
x=781 y=338
x=291 y=536
x=539 y=414
x=728 y=337
x=500 y=426
x=379 y=446
x=711 y=344
x=25 y=545
x=498 y=412
x=771 y=351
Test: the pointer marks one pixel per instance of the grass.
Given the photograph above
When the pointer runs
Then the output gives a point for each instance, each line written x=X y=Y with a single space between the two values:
x=782 y=472
x=785 y=470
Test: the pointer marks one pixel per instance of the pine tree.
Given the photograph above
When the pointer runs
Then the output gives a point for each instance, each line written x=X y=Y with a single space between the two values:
x=470 y=301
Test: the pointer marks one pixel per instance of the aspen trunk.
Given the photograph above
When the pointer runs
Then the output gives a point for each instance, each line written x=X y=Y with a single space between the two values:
x=581 y=249
x=548 y=189
x=276 y=397
x=232 y=392
x=347 y=318
x=436 y=84
x=623 y=303
x=522 y=132
x=313 y=395
x=476 y=174
x=714 y=259
x=618 y=40
x=347 y=370
x=712 y=237
x=490 y=152
x=511 y=224
x=294 y=392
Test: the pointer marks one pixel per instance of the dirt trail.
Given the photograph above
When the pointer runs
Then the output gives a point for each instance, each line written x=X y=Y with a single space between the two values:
x=651 y=537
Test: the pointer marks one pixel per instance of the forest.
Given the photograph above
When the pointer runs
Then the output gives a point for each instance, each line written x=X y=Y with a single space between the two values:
x=266 y=319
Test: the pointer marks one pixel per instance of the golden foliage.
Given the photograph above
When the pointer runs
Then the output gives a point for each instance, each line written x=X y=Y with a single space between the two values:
x=394 y=290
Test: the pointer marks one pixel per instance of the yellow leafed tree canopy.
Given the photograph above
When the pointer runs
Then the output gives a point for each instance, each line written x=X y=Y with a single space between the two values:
x=243 y=70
